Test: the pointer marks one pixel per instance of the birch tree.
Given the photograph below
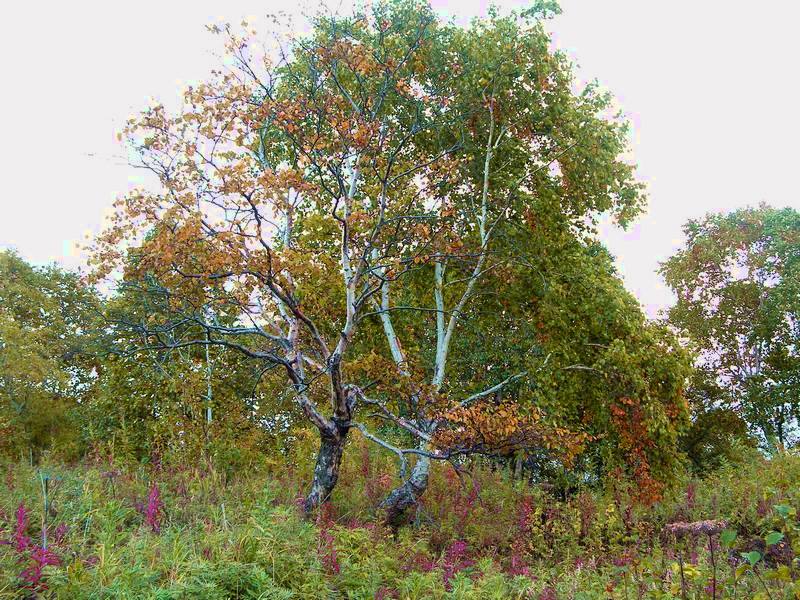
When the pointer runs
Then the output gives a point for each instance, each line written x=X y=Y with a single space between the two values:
x=377 y=174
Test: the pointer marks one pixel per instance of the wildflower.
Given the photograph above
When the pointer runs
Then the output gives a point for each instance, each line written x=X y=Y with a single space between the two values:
x=622 y=561
x=28 y=551
x=60 y=533
x=41 y=558
x=384 y=593
x=518 y=567
x=92 y=560
x=21 y=541
x=327 y=552
x=548 y=593
x=419 y=562
x=524 y=514
x=463 y=506
x=455 y=560
x=154 y=509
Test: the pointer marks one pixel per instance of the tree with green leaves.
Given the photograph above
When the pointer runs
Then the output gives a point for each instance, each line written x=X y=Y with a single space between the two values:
x=46 y=355
x=738 y=286
x=612 y=373
x=718 y=432
x=361 y=211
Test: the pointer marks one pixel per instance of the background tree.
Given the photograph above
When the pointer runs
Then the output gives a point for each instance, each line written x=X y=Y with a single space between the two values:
x=718 y=432
x=612 y=374
x=738 y=287
x=176 y=406
x=47 y=326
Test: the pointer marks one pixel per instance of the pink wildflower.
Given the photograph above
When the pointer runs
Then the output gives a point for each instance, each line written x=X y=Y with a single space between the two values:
x=21 y=541
x=41 y=558
x=154 y=509
x=455 y=560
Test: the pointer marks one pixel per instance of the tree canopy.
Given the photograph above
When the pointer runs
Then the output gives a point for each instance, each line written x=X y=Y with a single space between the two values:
x=738 y=288
x=363 y=209
x=46 y=353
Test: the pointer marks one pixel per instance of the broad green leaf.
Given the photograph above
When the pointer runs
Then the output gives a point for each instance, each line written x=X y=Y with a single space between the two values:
x=773 y=538
x=752 y=557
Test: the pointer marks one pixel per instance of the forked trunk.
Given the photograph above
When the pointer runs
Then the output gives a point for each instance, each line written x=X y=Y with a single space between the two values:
x=406 y=495
x=326 y=471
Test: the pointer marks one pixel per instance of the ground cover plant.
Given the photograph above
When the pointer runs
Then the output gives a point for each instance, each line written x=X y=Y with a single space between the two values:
x=174 y=531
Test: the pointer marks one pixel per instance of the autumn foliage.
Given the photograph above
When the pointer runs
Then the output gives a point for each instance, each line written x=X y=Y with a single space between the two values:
x=338 y=209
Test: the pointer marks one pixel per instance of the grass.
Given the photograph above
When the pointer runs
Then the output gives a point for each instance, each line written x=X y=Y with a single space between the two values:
x=178 y=532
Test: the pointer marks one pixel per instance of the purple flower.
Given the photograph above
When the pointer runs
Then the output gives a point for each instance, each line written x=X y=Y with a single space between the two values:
x=154 y=509
x=621 y=561
x=524 y=513
x=548 y=593
x=455 y=560
x=327 y=552
x=384 y=593
x=41 y=558
x=21 y=541
x=28 y=551
x=518 y=567
x=60 y=533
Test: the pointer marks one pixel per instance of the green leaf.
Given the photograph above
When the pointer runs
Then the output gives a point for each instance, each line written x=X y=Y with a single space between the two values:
x=773 y=538
x=752 y=557
x=782 y=510
x=727 y=537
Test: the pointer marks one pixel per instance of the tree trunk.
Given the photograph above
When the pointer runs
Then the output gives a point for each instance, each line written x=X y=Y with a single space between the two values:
x=781 y=435
x=406 y=495
x=326 y=471
x=518 y=464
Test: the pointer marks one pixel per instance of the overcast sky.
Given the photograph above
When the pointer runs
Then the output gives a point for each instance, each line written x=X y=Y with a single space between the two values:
x=710 y=87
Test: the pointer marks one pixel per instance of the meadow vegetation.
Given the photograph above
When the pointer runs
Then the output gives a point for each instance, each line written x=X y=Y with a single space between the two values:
x=163 y=530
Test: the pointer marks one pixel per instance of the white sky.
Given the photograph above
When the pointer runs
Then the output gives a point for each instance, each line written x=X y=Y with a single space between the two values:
x=711 y=88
